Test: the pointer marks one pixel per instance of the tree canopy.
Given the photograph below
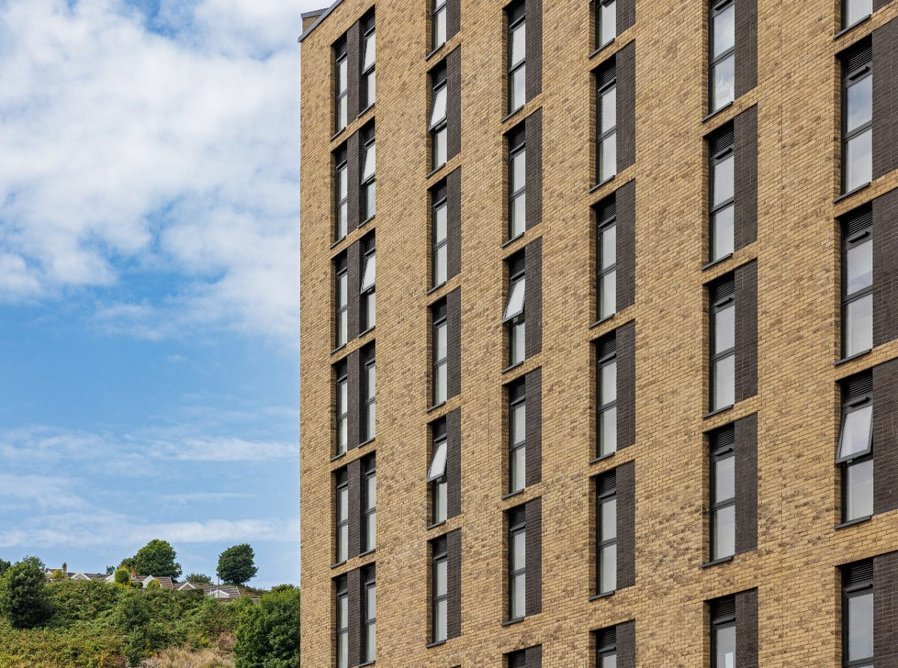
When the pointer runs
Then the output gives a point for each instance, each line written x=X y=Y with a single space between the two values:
x=23 y=594
x=236 y=565
x=156 y=558
x=198 y=578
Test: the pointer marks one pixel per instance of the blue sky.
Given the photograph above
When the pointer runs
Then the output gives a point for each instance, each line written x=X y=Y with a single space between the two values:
x=148 y=280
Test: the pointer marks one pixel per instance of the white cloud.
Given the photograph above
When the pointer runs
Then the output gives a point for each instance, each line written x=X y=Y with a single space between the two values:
x=125 y=151
x=44 y=491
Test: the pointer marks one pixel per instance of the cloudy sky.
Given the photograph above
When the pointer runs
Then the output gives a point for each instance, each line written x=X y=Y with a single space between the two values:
x=148 y=280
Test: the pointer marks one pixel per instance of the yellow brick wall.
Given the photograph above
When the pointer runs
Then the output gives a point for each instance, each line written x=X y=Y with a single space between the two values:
x=797 y=403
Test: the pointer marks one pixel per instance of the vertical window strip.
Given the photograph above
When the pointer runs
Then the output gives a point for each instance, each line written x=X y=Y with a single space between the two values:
x=341 y=86
x=438 y=118
x=857 y=117
x=606 y=123
x=722 y=53
x=438 y=474
x=341 y=302
x=369 y=284
x=855 y=451
x=438 y=24
x=606 y=532
x=440 y=590
x=857 y=283
x=341 y=195
x=606 y=264
x=342 y=609
x=857 y=615
x=517 y=56
x=368 y=176
x=369 y=46
x=341 y=513
x=606 y=648
x=370 y=424
x=440 y=345
x=440 y=235
x=723 y=344
x=606 y=21
x=517 y=563
x=517 y=183
x=722 y=490
x=515 y=313
x=722 y=194
x=342 y=411
x=606 y=436
x=369 y=626
x=369 y=504
x=723 y=632
x=517 y=436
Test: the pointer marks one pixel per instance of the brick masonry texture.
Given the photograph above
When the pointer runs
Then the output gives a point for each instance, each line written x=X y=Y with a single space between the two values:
x=796 y=254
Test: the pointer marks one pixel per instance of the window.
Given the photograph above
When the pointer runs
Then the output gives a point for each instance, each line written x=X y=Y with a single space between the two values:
x=342 y=515
x=342 y=644
x=606 y=122
x=723 y=189
x=517 y=436
x=369 y=424
x=722 y=487
x=723 y=344
x=341 y=85
x=440 y=234
x=342 y=412
x=606 y=648
x=341 y=192
x=607 y=259
x=723 y=53
x=606 y=532
x=517 y=659
x=517 y=563
x=369 y=615
x=438 y=24
x=514 y=310
x=855 y=10
x=723 y=632
x=855 y=451
x=857 y=615
x=857 y=283
x=368 y=181
x=857 y=117
x=367 y=290
x=440 y=343
x=439 y=129
x=369 y=43
x=517 y=182
x=606 y=22
x=517 y=55
x=607 y=399
x=439 y=590
x=369 y=504
x=436 y=474
x=341 y=302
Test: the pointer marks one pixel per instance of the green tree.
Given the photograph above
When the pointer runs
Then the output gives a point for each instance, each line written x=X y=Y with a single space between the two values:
x=268 y=633
x=236 y=565
x=4 y=566
x=23 y=594
x=122 y=575
x=157 y=558
x=198 y=578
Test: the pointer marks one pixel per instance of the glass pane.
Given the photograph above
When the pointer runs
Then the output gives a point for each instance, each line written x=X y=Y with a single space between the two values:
x=343 y=327
x=370 y=45
x=440 y=149
x=440 y=578
x=725 y=329
x=608 y=569
x=518 y=171
x=371 y=381
x=438 y=114
x=343 y=434
x=724 y=479
x=370 y=642
x=440 y=502
x=343 y=651
x=856 y=432
x=342 y=220
x=371 y=421
x=608 y=431
x=725 y=532
x=860 y=627
x=371 y=532
x=440 y=345
x=859 y=490
x=439 y=28
x=518 y=423
x=518 y=469
x=440 y=218
x=724 y=31
x=859 y=161
x=518 y=596
x=725 y=641
x=342 y=183
x=723 y=89
x=371 y=600
x=608 y=379
x=342 y=289
x=518 y=215
x=342 y=113
x=608 y=295
x=518 y=88
x=855 y=10
x=370 y=89
x=518 y=550
x=370 y=161
x=370 y=309
x=343 y=612
x=343 y=504
x=860 y=104
x=859 y=267
x=342 y=397
x=725 y=382
x=370 y=200
x=608 y=110
x=723 y=180
x=608 y=242
x=438 y=463
x=439 y=265
x=515 y=299
x=518 y=340
x=609 y=661
x=608 y=157
x=859 y=326
x=723 y=233
x=369 y=276
x=343 y=543
x=607 y=22
x=371 y=492
x=518 y=44
x=440 y=630
x=608 y=519
x=440 y=384
x=343 y=76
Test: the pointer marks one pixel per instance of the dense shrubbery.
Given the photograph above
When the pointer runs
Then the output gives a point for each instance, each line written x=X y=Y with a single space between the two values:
x=101 y=625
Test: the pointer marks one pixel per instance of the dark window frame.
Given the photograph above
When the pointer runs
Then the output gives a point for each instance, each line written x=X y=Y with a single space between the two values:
x=517 y=524
x=605 y=358
x=368 y=75
x=440 y=323
x=439 y=247
x=715 y=8
x=606 y=81
x=439 y=128
x=368 y=295
x=517 y=398
x=863 y=587
x=369 y=623
x=721 y=620
x=722 y=447
x=368 y=184
x=341 y=201
x=716 y=156
x=516 y=659
x=606 y=220
x=515 y=325
x=439 y=485
x=369 y=407
x=439 y=557
x=851 y=76
x=718 y=306
x=852 y=239
x=341 y=412
x=369 y=508
x=606 y=644
x=517 y=146
x=516 y=16
x=606 y=490
x=341 y=508
x=341 y=597
x=598 y=5
x=851 y=404
x=341 y=97
x=439 y=18
x=341 y=301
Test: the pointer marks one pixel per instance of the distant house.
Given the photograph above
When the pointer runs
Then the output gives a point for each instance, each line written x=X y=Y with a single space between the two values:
x=220 y=592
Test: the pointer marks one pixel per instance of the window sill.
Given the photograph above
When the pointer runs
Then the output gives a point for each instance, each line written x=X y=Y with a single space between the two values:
x=708 y=117
x=846 y=360
x=513 y=367
x=367 y=663
x=434 y=51
x=435 y=407
x=338 y=457
x=512 y=495
x=516 y=620
x=717 y=411
x=602 y=458
x=600 y=184
x=714 y=263
x=366 y=442
x=338 y=133
x=717 y=562
x=851 y=523
x=436 y=525
x=852 y=26
x=509 y=242
x=845 y=196
x=367 y=331
x=339 y=348
x=367 y=552
x=602 y=321
x=435 y=288
x=602 y=48
x=607 y=594
x=338 y=564
x=366 y=221
x=514 y=113
x=435 y=170
x=431 y=645
x=366 y=109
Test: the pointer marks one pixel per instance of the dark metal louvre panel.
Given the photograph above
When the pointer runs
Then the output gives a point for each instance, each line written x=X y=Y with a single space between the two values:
x=723 y=289
x=439 y=310
x=606 y=346
x=858 y=57
x=515 y=11
x=438 y=429
x=606 y=210
x=438 y=192
x=438 y=547
x=516 y=516
x=606 y=638
x=605 y=483
x=724 y=437
x=857 y=386
x=517 y=390
x=605 y=74
x=859 y=573
x=857 y=221
x=722 y=139
x=438 y=74
x=517 y=660
x=516 y=138
x=723 y=609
